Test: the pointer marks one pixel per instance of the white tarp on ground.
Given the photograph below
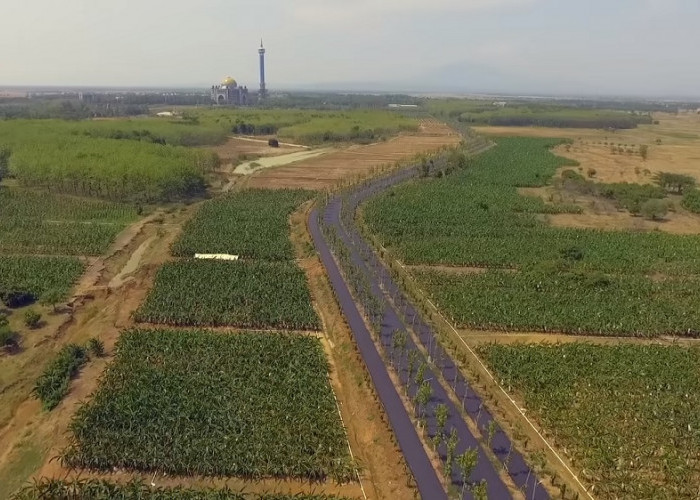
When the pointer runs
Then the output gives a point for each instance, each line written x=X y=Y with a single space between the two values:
x=215 y=256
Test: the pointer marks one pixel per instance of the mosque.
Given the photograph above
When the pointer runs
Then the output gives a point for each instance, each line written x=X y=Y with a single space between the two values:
x=229 y=93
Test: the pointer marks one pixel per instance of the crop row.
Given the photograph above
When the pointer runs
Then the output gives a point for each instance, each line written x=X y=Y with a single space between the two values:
x=203 y=403
x=38 y=276
x=97 y=489
x=248 y=294
x=564 y=301
x=251 y=224
x=627 y=414
x=476 y=217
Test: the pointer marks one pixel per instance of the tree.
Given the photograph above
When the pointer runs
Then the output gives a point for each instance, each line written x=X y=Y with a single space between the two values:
x=467 y=463
x=441 y=414
x=4 y=162
x=480 y=491
x=51 y=298
x=675 y=183
x=644 y=151
x=654 y=209
x=425 y=391
x=32 y=318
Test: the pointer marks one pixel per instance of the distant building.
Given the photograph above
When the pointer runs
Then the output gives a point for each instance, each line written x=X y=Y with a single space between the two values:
x=403 y=105
x=229 y=93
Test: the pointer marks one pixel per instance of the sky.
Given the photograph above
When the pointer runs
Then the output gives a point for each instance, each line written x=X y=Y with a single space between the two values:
x=553 y=47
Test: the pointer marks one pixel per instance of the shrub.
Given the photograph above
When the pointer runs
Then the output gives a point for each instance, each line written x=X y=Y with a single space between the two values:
x=32 y=319
x=592 y=172
x=53 y=384
x=691 y=201
x=96 y=347
x=675 y=183
x=654 y=209
x=273 y=143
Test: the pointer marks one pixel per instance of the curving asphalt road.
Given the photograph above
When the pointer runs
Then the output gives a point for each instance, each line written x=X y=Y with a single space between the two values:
x=396 y=308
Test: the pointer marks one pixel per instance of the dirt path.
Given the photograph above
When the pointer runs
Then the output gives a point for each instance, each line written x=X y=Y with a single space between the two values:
x=32 y=437
x=250 y=167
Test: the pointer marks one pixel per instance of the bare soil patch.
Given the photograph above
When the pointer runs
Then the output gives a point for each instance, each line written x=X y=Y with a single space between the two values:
x=674 y=146
x=330 y=170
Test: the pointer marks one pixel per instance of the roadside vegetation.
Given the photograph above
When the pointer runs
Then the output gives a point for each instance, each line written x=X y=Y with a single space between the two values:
x=252 y=405
x=627 y=414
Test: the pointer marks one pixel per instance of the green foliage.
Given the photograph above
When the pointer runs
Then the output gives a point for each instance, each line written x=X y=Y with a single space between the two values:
x=249 y=294
x=8 y=338
x=96 y=347
x=691 y=200
x=654 y=209
x=195 y=402
x=100 y=489
x=626 y=413
x=32 y=319
x=526 y=114
x=571 y=302
x=675 y=183
x=54 y=383
x=251 y=224
x=36 y=276
x=43 y=223
x=65 y=157
x=441 y=221
x=626 y=195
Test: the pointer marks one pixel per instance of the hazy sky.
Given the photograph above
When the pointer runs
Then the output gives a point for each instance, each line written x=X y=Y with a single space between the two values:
x=536 y=46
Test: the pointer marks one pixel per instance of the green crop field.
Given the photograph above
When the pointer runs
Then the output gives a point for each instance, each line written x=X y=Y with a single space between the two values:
x=35 y=222
x=195 y=402
x=36 y=276
x=96 y=489
x=481 y=112
x=247 y=294
x=566 y=279
x=251 y=224
x=627 y=414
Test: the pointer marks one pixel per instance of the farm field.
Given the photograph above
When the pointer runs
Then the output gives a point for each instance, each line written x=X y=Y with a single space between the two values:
x=35 y=276
x=332 y=169
x=36 y=222
x=626 y=413
x=94 y=488
x=476 y=218
x=252 y=224
x=247 y=294
x=249 y=404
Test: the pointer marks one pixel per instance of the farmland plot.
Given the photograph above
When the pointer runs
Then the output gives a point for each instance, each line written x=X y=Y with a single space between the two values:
x=251 y=224
x=248 y=294
x=627 y=414
x=195 y=402
x=36 y=276
x=571 y=280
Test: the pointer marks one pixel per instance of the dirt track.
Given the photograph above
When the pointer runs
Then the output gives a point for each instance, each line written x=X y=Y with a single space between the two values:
x=329 y=170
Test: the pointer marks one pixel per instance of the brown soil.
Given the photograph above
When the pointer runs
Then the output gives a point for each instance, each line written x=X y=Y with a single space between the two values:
x=98 y=311
x=356 y=161
x=383 y=471
x=679 y=152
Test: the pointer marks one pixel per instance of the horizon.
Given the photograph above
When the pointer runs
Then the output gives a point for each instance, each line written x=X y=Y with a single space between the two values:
x=502 y=47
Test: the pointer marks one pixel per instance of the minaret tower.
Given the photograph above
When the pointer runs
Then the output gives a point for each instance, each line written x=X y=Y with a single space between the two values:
x=263 y=90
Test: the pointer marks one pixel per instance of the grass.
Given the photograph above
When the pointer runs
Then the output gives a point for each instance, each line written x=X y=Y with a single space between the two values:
x=627 y=414
x=26 y=460
x=247 y=294
x=202 y=403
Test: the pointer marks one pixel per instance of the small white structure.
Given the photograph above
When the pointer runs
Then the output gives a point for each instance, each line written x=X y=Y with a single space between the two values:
x=215 y=256
x=165 y=114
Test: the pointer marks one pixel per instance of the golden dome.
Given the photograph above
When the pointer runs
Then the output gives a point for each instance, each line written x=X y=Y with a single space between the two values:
x=229 y=82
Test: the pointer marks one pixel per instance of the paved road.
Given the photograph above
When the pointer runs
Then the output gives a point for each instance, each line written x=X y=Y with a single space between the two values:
x=338 y=215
